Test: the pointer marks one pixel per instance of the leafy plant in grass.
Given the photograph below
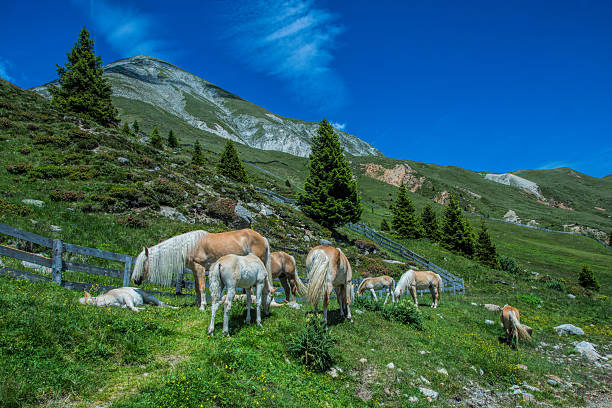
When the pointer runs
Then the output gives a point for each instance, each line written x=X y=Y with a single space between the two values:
x=529 y=299
x=587 y=280
x=313 y=346
x=403 y=311
x=367 y=303
x=509 y=264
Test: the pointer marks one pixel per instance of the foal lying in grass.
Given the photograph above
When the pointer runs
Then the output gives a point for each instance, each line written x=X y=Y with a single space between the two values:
x=124 y=297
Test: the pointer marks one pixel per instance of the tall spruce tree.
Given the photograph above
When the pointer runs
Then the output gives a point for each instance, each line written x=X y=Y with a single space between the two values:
x=136 y=127
x=429 y=221
x=83 y=90
x=485 y=250
x=405 y=221
x=197 y=157
x=126 y=129
x=230 y=164
x=384 y=225
x=156 y=139
x=331 y=197
x=172 y=140
x=457 y=233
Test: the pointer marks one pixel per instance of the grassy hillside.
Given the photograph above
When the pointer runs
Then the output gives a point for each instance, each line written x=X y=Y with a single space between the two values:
x=56 y=352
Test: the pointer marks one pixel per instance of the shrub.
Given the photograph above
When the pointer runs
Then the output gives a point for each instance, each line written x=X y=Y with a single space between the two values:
x=7 y=207
x=5 y=122
x=509 y=264
x=59 y=195
x=366 y=246
x=403 y=311
x=18 y=168
x=530 y=299
x=50 y=140
x=133 y=221
x=313 y=346
x=587 y=280
x=367 y=303
x=223 y=209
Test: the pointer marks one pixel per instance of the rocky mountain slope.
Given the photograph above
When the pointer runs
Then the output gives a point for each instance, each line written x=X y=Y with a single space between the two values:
x=210 y=109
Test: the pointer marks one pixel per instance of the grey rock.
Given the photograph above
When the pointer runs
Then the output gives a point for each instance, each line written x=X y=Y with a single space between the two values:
x=588 y=350
x=474 y=304
x=170 y=212
x=442 y=371
x=393 y=261
x=489 y=322
x=492 y=308
x=55 y=228
x=265 y=211
x=306 y=238
x=324 y=241
x=569 y=295
x=391 y=366
x=568 y=329
x=333 y=372
x=530 y=387
x=363 y=360
x=358 y=311
x=35 y=203
x=424 y=380
x=428 y=392
x=245 y=217
x=144 y=139
x=413 y=399
x=254 y=206
x=123 y=160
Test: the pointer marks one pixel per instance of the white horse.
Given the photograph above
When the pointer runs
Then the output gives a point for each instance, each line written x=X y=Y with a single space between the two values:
x=377 y=283
x=413 y=280
x=234 y=271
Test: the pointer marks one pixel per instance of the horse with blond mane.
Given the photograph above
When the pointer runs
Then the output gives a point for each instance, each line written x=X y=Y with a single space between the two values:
x=413 y=280
x=197 y=250
x=511 y=320
x=283 y=268
x=328 y=268
x=377 y=283
x=231 y=272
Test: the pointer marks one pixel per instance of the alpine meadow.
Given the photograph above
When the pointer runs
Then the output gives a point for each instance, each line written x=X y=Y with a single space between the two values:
x=367 y=280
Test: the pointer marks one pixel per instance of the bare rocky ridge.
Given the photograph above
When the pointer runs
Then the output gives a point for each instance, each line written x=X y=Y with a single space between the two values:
x=401 y=173
x=211 y=109
x=516 y=181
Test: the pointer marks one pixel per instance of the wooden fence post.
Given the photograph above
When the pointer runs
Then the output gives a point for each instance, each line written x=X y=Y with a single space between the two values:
x=56 y=266
x=127 y=272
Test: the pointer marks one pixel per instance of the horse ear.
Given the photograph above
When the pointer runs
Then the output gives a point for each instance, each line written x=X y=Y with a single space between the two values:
x=87 y=295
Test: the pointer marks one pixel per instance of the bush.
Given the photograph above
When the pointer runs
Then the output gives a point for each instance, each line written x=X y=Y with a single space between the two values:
x=587 y=280
x=133 y=221
x=7 y=207
x=223 y=209
x=509 y=264
x=366 y=246
x=530 y=299
x=367 y=303
x=58 y=195
x=313 y=346
x=18 y=168
x=403 y=311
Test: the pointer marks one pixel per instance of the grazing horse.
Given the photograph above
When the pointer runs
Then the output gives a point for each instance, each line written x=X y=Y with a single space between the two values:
x=378 y=283
x=511 y=321
x=328 y=268
x=283 y=268
x=197 y=250
x=231 y=272
x=413 y=280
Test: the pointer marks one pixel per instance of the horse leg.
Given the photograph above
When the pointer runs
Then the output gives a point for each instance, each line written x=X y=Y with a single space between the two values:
x=413 y=292
x=213 y=310
x=325 y=303
x=258 y=298
x=200 y=280
x=433 y=297
x=373 y=294
x=283 y=280
x=231 y=292
x=341 y=302
x=386 y=297
x=248 y=305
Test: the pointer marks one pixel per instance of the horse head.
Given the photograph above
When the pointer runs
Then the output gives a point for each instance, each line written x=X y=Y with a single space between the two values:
x=141 y=273
x=87 y=299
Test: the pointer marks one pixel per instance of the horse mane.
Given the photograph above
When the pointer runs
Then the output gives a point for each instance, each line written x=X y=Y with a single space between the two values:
x=405 y=278
x=360 y=285
x=168 y=257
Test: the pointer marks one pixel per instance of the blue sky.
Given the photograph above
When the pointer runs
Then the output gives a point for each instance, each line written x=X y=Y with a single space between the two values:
x=484 y=85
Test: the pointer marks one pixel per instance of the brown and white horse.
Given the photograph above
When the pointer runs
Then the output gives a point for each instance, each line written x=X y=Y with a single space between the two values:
x=197 y=250
x=328 y=268
x=377 y=283
x=511 y=320
x=283 y=268
x=413 y=280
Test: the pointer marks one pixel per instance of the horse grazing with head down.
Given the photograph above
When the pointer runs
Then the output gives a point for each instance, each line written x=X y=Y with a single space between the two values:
x=413 y=280
x=231 y=272
x=328 y=268
x=197 y=250
x=377 y=283
x=511 y=320
x=283 y=268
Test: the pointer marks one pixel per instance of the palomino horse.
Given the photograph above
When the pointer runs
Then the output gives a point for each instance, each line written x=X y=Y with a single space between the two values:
x=511 y=320
x=328 y=268
x=413 y=280
x=283 y=268
x=197 y=250
x=380 y=282
x=231 y=272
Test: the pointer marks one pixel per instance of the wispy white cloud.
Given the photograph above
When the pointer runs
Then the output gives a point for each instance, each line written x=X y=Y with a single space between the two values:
x=294 y=40
x=556 y=164
x=339 y=126
x=126 y=29
x=4 y=67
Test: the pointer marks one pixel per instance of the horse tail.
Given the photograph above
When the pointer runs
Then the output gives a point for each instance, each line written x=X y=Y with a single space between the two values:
x=317 y=275
x=301 y=288
x=214 y=280
x=348 y=284
x=518 y=328
x=268 y=263
x=440 y=285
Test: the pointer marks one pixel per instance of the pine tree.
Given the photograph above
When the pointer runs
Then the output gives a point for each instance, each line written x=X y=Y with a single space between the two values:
x=331 y=197
x=610 y=239
x=83 y=90
x=384 y=225
x=485 y=250
x=156 y=139
x=405 y=221
x=457 y=233
x=172 y=140
x=587 y=280
x=429 y=221
x=230 y=164
x=197 y=157
x=126 y=129
x=135 y=127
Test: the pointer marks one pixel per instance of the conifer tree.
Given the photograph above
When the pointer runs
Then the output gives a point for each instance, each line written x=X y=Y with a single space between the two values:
x=172 y=140
x=457 y=233
x=587 y=280
x=126 y=129
x=230 y=164
x=429 y=221
x=384 y=225
x=135 y=127
x=405 y=221
x=156 y=139
x=83 y=90
x=485 y=250
x=331 y=197
x=197 y=157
